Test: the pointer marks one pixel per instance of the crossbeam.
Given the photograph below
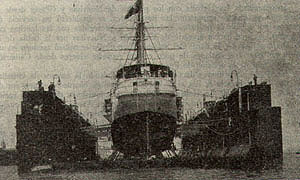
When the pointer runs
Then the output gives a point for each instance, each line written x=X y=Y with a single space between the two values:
x=149 y=49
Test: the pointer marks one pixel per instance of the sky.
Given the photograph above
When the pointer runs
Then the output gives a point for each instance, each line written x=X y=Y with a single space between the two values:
x=41 y=38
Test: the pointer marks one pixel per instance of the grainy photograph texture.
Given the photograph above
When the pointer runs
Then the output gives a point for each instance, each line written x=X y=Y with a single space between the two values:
x=140 y=89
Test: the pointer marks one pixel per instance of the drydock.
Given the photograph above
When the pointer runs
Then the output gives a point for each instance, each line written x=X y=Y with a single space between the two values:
x=144 y=111
x=241 y=130
x=50 y=131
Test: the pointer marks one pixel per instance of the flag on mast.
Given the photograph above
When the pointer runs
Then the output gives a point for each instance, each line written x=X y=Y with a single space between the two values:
x=134 y=9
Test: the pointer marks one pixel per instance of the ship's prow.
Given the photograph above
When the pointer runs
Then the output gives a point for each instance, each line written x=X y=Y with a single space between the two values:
x=145 y=107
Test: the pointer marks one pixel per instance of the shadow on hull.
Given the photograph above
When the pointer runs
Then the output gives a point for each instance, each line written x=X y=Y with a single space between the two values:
x=129 y=133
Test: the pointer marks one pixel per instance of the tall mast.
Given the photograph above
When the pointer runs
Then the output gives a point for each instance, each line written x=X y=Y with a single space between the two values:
x=140 y=36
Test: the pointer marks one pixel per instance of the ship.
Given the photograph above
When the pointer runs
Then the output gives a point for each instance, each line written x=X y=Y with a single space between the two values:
x=240 y=130
x=144 y=105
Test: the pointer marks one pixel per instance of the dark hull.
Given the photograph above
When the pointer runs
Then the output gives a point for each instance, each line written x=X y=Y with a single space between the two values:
x=129 y=133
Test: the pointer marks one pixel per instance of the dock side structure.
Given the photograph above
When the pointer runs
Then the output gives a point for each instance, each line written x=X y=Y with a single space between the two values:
x=50 y=131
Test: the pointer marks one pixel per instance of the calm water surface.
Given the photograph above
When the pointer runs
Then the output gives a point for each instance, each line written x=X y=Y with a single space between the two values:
x=290 y=170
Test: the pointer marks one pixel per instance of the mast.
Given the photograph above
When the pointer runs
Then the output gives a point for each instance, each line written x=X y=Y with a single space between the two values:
x=147 y=138
x=140 y=46
x=140 y=36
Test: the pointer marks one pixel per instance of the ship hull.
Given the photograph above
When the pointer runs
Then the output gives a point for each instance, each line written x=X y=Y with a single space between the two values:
x=163 y=103
x=129 y=128
x=129 y=133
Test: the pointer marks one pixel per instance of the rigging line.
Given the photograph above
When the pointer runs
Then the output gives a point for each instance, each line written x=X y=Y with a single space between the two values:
x=153 y=45
x=191 y=92
x=145 y=54
x=201 y=94
x=150 y=57
x=128 y=53
x=132 y=57
x=147 y=57
x=92 y=94
x=89 y=97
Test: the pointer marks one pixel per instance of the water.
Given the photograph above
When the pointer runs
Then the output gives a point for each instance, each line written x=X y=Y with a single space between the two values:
x=290 y=170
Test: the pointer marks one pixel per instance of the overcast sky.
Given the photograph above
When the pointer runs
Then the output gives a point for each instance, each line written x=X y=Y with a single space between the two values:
x=43 y=38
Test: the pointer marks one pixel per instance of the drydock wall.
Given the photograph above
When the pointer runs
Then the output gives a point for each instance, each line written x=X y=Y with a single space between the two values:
x=49 y=131
x=255 y=136
x=269 y=133
x=258 y=144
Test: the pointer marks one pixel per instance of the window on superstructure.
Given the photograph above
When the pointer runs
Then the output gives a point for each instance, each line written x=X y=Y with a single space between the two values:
x=156 y=86
x=164 y=73
x=135 y=89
